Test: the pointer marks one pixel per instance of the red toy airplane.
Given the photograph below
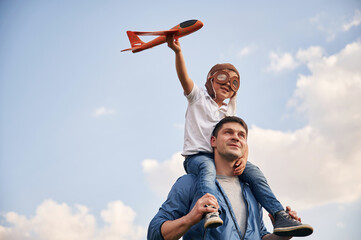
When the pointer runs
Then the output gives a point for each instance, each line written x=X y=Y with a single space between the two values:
x=180 y=30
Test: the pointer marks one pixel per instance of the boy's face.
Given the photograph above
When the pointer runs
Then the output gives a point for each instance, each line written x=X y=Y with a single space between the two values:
x=224 y=91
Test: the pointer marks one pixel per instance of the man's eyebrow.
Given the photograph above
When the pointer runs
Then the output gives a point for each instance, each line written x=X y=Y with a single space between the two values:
x=234 y=130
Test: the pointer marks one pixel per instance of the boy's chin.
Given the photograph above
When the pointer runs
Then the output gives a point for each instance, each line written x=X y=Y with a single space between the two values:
x=223 y=97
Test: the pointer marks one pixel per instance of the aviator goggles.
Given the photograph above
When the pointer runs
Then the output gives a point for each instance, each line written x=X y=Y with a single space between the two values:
x=222 y=77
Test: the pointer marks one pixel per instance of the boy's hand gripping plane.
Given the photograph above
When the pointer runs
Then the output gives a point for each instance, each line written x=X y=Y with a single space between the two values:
x=178 y=31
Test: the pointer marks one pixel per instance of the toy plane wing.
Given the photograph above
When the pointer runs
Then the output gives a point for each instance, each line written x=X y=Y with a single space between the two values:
x=180 y=30
x=158 y=33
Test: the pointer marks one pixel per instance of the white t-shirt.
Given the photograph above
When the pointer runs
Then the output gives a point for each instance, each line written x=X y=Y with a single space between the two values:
x=202 y=115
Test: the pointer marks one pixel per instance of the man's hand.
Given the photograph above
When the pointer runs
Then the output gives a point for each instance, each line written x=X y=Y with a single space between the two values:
x=291 y=212
x=201 y=207
x=240 y=164
x=175 y=229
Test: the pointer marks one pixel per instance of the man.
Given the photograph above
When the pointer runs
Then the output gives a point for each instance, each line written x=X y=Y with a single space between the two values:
x=182 y=213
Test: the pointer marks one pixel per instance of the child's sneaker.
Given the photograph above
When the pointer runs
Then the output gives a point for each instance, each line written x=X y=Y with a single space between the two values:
x=285 y=225
x=212 y=220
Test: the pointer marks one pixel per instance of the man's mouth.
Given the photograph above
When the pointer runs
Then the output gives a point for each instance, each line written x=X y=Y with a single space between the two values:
x=234 y=145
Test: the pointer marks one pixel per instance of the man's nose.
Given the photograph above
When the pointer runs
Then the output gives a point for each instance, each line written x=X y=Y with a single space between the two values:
x=235 y=137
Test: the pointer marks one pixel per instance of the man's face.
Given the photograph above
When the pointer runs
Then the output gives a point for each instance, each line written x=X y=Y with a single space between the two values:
x=224 y=91
x=231 y=141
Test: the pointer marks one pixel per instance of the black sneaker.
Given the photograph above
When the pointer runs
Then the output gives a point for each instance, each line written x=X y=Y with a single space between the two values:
x=285 y=225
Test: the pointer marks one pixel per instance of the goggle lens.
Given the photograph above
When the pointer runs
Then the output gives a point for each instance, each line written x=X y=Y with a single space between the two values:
x=235 y=84
x=222 y=77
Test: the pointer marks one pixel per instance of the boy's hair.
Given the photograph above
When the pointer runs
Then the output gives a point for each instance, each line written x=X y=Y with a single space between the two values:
x=214 y=69
x=227 y=120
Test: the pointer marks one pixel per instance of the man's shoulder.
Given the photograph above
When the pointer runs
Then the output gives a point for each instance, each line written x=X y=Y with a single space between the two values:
x=187 y=179
x=185 y=185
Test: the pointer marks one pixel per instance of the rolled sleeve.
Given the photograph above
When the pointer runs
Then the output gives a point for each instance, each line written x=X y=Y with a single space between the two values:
x=176 y=206
x=154 y=229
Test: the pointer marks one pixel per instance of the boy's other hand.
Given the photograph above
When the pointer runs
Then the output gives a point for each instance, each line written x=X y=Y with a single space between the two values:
x=173 y=44
x=240 y=164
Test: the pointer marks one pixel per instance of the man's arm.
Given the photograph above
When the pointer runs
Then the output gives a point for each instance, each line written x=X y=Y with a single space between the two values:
x=174 y=217
x=186 y=82
x=175 y=229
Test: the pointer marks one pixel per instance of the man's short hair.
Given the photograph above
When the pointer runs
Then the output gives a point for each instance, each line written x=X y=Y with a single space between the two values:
x=227 y=120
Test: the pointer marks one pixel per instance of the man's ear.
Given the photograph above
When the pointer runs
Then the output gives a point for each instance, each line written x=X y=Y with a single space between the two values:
x=213 y=141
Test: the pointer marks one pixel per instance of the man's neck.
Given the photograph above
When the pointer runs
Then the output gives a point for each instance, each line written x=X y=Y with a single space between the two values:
x=224 y=167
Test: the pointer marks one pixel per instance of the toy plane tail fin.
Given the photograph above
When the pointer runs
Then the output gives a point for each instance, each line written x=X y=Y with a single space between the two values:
x=134 y=39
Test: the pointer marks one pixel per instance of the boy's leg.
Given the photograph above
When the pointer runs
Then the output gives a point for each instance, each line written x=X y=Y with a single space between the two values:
x=260 y=188
x=284 y=225
x=203 y=166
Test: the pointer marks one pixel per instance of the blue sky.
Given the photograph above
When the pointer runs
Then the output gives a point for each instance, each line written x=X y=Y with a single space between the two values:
x=90 y=136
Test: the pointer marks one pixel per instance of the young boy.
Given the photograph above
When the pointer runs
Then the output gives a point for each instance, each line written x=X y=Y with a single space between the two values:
x=205 y=109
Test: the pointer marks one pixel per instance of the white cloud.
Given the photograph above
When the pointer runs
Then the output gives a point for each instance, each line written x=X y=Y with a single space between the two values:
x=304 y=168
x=281 y=61
x=120 y=219
x=60 y=222
x=103 y=111
x=246 y=51
x=331 y=26
x=326 y=24
x=355 y=21
x=161 y=175
x=319 y=163
x=340 y=225
x=329 y=97
x=311 y=55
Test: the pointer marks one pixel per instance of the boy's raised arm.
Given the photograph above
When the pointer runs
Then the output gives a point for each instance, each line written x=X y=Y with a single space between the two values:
x=186 y=82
